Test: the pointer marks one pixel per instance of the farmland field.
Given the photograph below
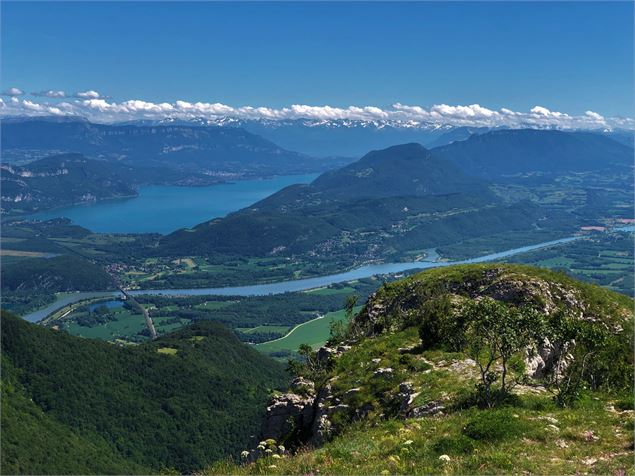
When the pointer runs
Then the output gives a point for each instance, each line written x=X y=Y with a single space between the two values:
x=315 y=333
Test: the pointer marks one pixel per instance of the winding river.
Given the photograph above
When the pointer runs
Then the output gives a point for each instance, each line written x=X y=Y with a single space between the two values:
x=300 y=284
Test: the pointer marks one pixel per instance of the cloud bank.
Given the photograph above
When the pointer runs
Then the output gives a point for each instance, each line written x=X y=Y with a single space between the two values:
x=98 y=108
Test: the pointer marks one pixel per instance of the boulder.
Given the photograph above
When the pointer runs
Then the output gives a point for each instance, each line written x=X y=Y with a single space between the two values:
x=383 y=372
x=406 y=396
x=288 y=415
x=548 y=359
x=429 y=409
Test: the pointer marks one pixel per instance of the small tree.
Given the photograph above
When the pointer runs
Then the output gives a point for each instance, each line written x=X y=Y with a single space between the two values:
x=587 y=355
x=349 y=306
x=495 y=333
x=339 y=329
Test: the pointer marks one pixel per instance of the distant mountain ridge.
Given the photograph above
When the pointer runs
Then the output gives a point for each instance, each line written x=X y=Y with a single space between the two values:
x=330 y=137
x=211 y=150
x=520 y=151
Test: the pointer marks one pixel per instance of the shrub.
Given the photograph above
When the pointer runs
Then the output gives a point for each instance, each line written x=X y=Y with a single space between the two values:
x=625 y=403
x=494 y=425
x=453 y=445
x=435 y=317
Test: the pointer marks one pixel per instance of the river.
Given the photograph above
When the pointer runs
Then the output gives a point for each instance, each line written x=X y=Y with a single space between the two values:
x=302 y=284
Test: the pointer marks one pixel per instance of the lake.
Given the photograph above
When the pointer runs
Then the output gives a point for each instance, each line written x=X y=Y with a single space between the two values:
x=164 y=209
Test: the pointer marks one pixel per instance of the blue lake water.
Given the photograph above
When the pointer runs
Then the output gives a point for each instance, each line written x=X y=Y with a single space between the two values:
x=164 y=209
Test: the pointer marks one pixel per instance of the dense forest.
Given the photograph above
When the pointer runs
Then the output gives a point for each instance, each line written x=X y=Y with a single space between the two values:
x=73 y=405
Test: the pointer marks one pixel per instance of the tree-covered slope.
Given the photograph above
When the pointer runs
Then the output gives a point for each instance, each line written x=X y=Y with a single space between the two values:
x=63 y=180
x=479 y=369
x=34 y=442
x=54 y=274
x=508 y=152
x=397 y=199
x=180 y=402
x=397 y=171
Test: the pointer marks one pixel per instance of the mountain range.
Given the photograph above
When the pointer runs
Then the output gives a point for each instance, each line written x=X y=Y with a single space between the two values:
x=528 y=151
x=212 y=150
x=353 y=138
x=386 y=202
x=406 y=198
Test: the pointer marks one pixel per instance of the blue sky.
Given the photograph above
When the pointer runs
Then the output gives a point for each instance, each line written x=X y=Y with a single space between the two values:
x=570 y=57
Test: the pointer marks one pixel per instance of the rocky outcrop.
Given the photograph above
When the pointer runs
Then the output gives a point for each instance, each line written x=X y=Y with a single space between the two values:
x=548 y=359
x=288 y=416
x=303 y=415
x=310 y=415
x=389 y=311
x=429 y=409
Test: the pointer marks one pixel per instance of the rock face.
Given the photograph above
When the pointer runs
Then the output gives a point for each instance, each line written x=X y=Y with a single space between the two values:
x=548 y=359
x=302 y=415
x=288 y=416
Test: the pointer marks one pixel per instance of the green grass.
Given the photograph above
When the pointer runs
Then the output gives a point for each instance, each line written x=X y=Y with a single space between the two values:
x=167 y=350
x=253 y=330
x=329 y=291
x=415 y=446
x=315 y=333
x=126 y=325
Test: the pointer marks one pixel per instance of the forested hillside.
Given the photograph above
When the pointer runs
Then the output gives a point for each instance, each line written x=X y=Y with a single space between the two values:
x=72 y=405
x=397 y=199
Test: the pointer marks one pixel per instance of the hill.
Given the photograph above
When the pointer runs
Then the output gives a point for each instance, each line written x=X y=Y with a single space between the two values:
x=402 y=170
x=524 y=151
x=400 y=198
x=54 y=274
x=76 y=406
x=210 y=150
x=479 y=369
x=63 y=180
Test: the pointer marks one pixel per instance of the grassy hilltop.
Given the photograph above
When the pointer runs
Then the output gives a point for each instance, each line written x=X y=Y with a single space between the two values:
x=398 y=402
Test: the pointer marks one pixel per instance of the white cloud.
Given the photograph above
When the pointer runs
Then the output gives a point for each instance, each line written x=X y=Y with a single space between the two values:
x=87 y=95
x=50 y=93
x=12 y=92
x=96 y=107
x=594 y=115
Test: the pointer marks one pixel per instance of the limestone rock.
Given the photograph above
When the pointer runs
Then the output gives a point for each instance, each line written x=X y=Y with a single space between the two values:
x=287 y=414
x=429 y=409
